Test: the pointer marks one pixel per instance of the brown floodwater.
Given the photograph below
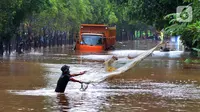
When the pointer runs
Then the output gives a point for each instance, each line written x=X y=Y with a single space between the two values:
x=162 y=82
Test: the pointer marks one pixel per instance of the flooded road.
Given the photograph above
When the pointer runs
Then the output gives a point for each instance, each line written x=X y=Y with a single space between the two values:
x=160 y=83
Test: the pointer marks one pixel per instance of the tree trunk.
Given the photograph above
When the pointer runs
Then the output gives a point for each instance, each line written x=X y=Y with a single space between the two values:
x=146 y=33
x=9 y=46
x=133 y=34
x=1 y=47
x=141 y=34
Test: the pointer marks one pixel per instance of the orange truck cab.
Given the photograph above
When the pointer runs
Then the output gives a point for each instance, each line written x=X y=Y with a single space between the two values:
x=96 y=37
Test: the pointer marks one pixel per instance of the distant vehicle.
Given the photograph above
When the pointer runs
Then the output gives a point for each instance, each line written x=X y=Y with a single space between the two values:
x=96 y=37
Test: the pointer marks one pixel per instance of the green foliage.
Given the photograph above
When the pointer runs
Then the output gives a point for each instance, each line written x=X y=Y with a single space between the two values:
x=102 y=12
x=150 y=12
x=56 y=15
x=13 y=12
x=196 y=61
x=197 y=50
x=112 y=18
x=67 y=15
x=188 y=61
x=190 y=32
x=192 y=61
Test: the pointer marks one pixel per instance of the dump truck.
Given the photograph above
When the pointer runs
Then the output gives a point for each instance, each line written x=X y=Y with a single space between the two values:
x=96 y=37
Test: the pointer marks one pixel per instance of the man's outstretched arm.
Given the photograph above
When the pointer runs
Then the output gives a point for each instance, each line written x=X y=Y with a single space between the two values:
x=74 y=80
x=81 y=73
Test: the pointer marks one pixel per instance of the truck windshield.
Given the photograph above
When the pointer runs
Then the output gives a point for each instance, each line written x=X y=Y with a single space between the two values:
x=92 y=39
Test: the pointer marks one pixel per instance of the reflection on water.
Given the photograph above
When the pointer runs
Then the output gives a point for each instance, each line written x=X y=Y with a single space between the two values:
x=159 y=83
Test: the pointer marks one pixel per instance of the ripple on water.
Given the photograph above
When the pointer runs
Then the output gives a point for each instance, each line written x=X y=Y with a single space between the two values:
x=188 y=91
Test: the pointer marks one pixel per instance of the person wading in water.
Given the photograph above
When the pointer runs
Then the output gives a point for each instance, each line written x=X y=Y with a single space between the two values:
x=65 y=78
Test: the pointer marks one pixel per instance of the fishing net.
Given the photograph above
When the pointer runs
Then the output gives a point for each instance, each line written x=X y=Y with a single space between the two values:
x=84 y=86
x=132 y=63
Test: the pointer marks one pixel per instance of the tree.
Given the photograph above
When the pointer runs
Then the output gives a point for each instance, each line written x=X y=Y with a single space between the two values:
x=13 y=12
x=189 y=31
x=150 y=12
